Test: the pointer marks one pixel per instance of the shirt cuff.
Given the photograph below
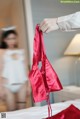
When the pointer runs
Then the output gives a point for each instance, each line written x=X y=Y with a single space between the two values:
x=63 y=24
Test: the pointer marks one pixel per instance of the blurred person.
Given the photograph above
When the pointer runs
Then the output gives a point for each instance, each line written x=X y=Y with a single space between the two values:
x=14 y=84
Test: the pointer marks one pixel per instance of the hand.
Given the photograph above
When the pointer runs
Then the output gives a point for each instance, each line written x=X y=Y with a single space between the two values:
x=3 y=80
x=48 y=25
x=2 y=91
x=28 y=89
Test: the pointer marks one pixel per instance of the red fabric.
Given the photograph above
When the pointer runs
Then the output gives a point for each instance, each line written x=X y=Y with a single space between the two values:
x=43 y=80
x=70 y=113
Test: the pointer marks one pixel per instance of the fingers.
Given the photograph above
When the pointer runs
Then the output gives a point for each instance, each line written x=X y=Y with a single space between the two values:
x=48 y=25
x=44 y=26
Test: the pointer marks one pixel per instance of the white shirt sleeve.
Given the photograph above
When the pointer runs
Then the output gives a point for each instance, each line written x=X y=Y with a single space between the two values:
x=70 y=22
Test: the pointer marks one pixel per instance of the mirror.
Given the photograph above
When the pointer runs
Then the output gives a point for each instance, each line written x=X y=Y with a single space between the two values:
x=15 y=92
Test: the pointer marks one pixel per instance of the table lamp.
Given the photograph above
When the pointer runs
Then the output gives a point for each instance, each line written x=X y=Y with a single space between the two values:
x=74 y=47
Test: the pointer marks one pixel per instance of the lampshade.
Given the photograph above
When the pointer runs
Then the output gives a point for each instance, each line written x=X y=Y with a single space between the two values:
x=74 y=47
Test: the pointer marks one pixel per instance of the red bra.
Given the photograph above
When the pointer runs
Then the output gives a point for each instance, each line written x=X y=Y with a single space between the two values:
x=43 y=80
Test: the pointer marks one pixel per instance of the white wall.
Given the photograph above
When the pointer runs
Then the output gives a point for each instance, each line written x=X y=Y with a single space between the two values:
x=56 y=42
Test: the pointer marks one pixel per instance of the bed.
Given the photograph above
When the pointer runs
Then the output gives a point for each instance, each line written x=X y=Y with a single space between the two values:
x=70 y=92
x=39 y=112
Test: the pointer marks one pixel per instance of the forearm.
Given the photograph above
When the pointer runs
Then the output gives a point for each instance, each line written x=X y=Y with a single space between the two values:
x=70 y=22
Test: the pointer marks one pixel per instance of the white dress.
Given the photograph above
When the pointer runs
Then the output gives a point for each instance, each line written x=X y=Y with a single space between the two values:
x=14 y=70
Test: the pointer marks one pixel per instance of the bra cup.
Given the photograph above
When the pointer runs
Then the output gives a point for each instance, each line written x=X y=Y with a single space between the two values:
x=37 y=83
x=52 y=79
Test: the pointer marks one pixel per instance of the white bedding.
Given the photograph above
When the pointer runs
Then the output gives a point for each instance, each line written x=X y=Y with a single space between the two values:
x=40 y=112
